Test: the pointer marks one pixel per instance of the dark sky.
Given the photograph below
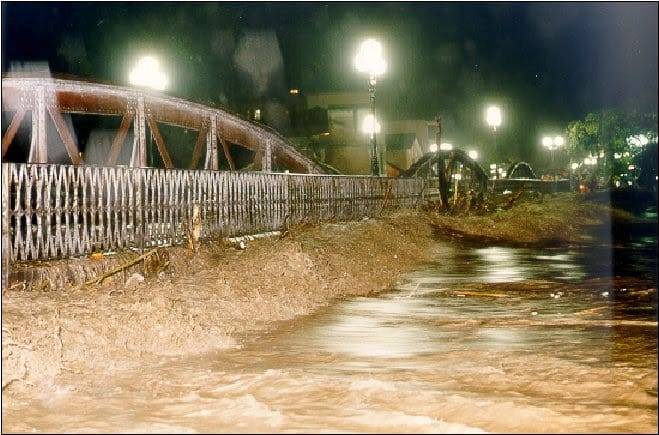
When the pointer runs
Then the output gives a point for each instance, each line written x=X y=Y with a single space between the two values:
x=545 y=63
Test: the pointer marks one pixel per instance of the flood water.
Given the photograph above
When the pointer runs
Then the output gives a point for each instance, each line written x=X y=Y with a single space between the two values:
x=422 y=357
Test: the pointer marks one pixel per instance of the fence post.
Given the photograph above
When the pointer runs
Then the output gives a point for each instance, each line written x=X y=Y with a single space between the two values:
x=6 y=215
x=139 y=209
x=288 y=216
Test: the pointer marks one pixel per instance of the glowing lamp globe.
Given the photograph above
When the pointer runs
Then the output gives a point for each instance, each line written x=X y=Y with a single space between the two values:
x=547 y=142
x=369 y=58
x=370 y=125
x=146 y=73
x=493 y=116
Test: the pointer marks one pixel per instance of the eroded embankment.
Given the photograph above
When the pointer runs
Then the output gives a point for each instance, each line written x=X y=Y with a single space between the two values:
x=559 y=219
x=206 y=300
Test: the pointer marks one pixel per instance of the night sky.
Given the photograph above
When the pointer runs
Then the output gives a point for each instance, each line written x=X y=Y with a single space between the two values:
x=545 y=64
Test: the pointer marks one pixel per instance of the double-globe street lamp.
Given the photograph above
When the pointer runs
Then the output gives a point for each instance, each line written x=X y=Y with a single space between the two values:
x=369 y=60
x=552 y=144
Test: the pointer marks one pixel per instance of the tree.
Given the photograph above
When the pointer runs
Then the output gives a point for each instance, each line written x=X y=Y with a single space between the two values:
x=607 y=134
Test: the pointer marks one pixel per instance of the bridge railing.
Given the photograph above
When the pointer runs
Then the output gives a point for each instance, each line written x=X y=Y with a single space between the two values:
x=60 y=211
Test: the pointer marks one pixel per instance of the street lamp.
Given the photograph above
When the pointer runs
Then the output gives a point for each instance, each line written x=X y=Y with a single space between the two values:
x=547 y=142
x=370 y=125
x=493 y=118
x=446 y=146
x=552 y=144
x=369 y=60
x=473 y=154
x=146 y=73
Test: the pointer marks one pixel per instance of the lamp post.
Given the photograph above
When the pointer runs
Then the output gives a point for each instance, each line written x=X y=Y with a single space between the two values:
x=371 y=127
x=146 y=73
x=369 y=60
x=493 y=119
x=552 y=144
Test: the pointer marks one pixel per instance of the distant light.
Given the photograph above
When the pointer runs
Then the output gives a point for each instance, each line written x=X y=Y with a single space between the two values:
x=257 y=114
x=433 y=147
x=493 y=116
x=457 y=176
x=493 y=166
x=629 y=183
x=601 y=154
x=559 y=141
x=146 y=73
x=616 y=155
x=617 y=183
x=325 y=134
x=369 y=58
x=294 y=91
x=547 y=142
x=473 y=154
x=631 y=167
x=638 y=140
x=626 y=154
x=504 y=173
x=370 y=125
x=445 y=146
x=575 y=166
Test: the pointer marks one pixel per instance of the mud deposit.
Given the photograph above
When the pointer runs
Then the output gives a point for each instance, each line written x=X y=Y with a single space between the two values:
x=478 y=339
x=205 y=302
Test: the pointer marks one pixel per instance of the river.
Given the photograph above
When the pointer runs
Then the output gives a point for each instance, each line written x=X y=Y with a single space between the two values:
x=427 y=356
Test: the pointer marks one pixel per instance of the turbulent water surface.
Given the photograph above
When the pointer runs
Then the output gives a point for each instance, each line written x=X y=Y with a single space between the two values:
x=422 y=357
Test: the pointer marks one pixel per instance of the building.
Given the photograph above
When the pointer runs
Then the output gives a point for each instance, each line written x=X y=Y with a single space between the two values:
x=345 y=147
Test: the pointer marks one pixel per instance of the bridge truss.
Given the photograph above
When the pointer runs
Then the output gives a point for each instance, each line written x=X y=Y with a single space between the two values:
x=47 y=98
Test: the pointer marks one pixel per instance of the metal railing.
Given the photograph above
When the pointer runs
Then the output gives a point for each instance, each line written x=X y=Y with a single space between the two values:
x=60 y=211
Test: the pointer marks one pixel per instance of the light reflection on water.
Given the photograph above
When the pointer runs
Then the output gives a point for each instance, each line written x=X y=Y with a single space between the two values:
x=415 y=359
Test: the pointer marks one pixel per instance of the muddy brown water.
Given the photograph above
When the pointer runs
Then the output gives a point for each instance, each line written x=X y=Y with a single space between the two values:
x=418 y=358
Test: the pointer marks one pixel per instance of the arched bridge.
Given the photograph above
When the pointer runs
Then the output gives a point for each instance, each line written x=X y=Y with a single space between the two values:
x=49 y=100
x=521 y=170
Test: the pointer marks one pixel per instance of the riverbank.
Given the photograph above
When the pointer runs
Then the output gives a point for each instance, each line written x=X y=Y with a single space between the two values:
x=209 y=300
x=553 y=220
x=205 y=301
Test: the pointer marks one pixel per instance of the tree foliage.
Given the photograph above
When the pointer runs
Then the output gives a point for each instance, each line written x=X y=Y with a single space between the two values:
x=608 y=131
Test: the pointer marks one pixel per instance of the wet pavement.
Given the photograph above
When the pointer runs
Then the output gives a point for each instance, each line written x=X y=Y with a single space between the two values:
x=430 y=355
